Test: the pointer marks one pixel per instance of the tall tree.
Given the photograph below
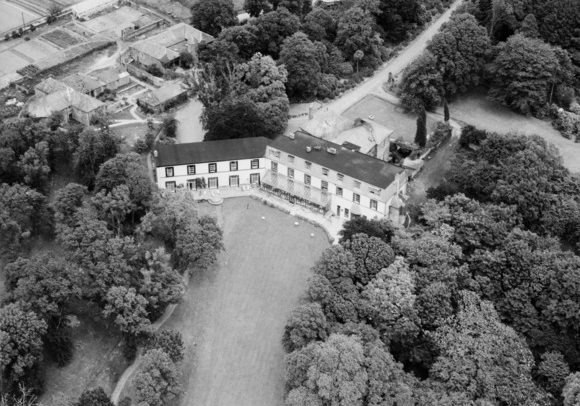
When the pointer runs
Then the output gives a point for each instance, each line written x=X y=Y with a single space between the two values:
x=482 y=357
x=212 y=16
x=245 y=37
x=460 y=47
x=156 y=382
x=300 y=58
x=422 y=83
x=273 y=28
x=95 y=147
x=320 y=25
x=21 y=334
x=255 y=7
x=421 y=133
x=34 y=166
x=524 y=71
x=306 y=324
x=445 y=110
x=397 y=17
x=529 y=27
x=355 y=31
x=127 y=309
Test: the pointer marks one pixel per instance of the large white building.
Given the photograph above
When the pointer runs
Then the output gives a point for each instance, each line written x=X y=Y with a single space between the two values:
x=303 y=169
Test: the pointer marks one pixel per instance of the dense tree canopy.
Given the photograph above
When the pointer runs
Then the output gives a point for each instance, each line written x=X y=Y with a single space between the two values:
x=422 y=83
x=300 y=58
x=212 y=16
x=355 y=31
x=273 y=28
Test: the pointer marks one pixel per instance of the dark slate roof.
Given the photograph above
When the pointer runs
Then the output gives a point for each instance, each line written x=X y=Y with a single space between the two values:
x=357 y=165
x=211 y=151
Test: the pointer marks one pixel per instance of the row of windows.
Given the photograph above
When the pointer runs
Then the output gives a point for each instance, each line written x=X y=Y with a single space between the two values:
x=213 y=183
x=325 y=171
x=254 y=164
x=324 y=186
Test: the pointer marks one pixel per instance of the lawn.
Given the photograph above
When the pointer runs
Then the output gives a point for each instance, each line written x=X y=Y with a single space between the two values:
x=232 y=317
x=474 y=108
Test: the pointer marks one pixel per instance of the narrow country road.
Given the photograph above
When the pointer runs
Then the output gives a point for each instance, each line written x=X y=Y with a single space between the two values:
x=374 y=84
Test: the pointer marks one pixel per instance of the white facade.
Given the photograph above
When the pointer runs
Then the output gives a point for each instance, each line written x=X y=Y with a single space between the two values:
x=340 y=194
x=213 y=175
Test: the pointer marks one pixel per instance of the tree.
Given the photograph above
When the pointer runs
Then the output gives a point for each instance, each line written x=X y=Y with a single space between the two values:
x=335 y=373
x=156 y=382
x=503 y=21
x=170 y=342
x=67 y=201
x=390 y=301
x=170 y=126
x=23 y=211
x=186 y=59
x=273 y=28
x=255 y=7
x=397 y=17
x=114 y=206
x=523 y=73
x=381 y=228
x=357 y=57
x=262 y=81
x=21 y=334
x=529 y=27
x=43 y=284
x=552 y=372
x=245 y=37
x=355 y=32
x=126 y=169
x=320 y=25
x=571 y=391
x=34 y=166
x=197 y=244
x=370 y=254
x=234 y=118
x=212 y=16
x=300 y=58
x=482 y=357
x=422 y=83
x=95 y=147
x=461 y=48
x=127 y=308
x=306 y=324
x=298 y=7
x=445 y=110
x=94 y=397
x=421 y=133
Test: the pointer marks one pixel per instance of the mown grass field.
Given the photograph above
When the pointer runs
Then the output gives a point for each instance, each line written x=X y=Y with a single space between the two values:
x=232 y=317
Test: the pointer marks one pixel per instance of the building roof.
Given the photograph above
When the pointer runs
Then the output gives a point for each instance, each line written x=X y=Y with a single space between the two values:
x=160 y=46
x=46 y=105
x=109 y=75
x=82 y=83
x=327 y=125
x=357 y=165
x=211 y=151
x=163 y=94
x=50 y=85
x=88 y=6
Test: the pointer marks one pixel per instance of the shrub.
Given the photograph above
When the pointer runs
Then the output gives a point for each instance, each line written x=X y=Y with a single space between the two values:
x=565 y=96
x=328 y=86
x=568 y=124
x=441 y=134
x=471 y=135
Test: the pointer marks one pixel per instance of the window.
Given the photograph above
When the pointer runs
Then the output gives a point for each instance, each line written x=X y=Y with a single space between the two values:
x=340 y=176
x=274 y=166
x=234 y=166
x=275 y=153
x=338 y=191
x=356 y=198
x=324 y=186
x=290 y=158
x=191 y=169
x=169 y=171
x=290 y=173
x=357 y=184
x=191 y=184
x=213 y=183
x=169 y=185
x=307 y=179
x=325 y=171
x=255 y=164
x=234 y=180
x=374 y=204
x=346 y=213
x=255 y=178
x=212 y=168
x=307 y=164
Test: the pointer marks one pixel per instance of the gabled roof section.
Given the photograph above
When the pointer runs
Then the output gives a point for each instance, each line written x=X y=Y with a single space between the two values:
x=211 y=151
x=82 y=83
x=46 y=105
x=50 y=85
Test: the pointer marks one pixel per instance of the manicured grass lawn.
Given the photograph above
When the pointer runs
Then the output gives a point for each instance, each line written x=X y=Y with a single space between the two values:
x=233 y=316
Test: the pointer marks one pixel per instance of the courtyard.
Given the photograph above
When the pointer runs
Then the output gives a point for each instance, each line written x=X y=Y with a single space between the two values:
x=232 y=316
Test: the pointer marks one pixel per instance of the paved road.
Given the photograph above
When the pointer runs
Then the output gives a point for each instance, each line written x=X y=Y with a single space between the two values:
x=374 y=84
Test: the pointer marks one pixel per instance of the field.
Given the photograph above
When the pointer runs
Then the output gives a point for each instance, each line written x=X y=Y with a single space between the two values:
x=11 y=16
x=233 y=316
x=61 y=38
x=388 y=115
